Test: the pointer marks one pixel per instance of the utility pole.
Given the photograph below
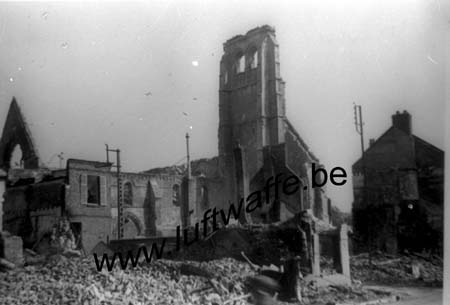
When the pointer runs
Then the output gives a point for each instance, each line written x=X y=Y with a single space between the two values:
x=188 y=157
x=120 y=219
x=185 y=209
x=359 y=125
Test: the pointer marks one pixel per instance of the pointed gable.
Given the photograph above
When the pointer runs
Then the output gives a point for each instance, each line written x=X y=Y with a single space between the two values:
x=15 y=132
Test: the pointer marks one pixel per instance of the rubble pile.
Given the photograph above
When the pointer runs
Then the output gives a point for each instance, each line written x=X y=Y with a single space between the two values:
x=62 y=238
x=341 y=295
x=274 y=245
x=62 y=280
x=410 y=269
x=327 y=266
x=75 y=280
x=265 y=245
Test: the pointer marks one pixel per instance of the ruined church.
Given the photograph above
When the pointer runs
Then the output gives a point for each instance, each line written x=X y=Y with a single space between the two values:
x=255 y=141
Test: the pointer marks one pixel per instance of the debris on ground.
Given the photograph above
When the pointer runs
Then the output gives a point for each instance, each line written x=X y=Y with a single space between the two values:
x=6 y=265
x=405 y=269
x=75 y=280
x=62 y=239
x=263 y=244
x=63 y=280
x=227 y=268
x=342 y=294
x=59 y=240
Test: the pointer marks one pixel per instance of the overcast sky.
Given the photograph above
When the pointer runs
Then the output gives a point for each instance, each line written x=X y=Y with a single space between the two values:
x=139 y=75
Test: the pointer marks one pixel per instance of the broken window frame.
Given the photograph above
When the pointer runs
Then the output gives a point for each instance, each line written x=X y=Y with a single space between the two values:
x=84 y=190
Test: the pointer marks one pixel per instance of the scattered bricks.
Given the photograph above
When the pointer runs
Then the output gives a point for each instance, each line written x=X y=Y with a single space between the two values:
x=30 y=252
x=405 y=269
x=4 y=264
x=415 y=270
x=11 y=248
x=62 y=280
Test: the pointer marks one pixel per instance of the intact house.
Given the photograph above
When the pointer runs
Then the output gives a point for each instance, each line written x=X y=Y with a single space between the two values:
x=400 y=205
x=255 y=142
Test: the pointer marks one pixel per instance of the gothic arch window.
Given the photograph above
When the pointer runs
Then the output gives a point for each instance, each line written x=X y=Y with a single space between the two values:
x=176 y=194
x=16 y=160
x=240 y=63
x=128 y=194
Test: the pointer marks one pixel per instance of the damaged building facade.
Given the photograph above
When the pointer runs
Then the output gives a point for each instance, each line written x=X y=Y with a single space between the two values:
x=36 y=198
x=256 y=141
x=400 y=205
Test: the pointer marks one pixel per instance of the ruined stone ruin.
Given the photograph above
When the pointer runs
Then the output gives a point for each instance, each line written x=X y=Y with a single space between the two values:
x=73 y=212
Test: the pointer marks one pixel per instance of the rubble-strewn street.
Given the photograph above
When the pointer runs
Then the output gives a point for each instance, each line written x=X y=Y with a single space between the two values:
x=180 y=153
x=413 y=269
x=210 y=272
x=63 y=280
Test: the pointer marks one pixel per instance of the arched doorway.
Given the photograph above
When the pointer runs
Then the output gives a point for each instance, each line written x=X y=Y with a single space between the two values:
x=132 y=227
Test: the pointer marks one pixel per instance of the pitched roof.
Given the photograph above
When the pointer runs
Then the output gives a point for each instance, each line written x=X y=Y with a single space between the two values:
x=422 y=141
x=415 y=139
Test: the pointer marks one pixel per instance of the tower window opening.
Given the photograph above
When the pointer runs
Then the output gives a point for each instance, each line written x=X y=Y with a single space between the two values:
x=254 y=59
x=240 y=64
x=176 y=194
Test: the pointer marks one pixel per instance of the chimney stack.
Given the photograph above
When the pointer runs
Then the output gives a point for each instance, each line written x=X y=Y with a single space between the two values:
x=402 y=121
